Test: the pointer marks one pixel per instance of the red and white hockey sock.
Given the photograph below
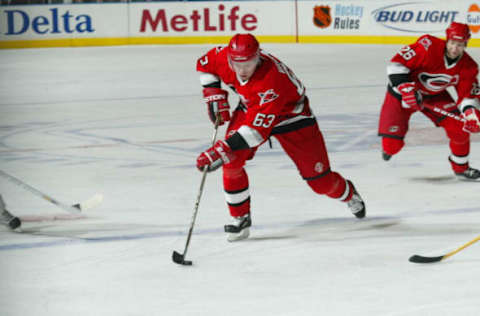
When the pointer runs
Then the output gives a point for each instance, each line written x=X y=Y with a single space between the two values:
x=333 y=185
x=342 y=191
x=347 y=192
x=237 y=195
x=459 y=164
x=459 y=156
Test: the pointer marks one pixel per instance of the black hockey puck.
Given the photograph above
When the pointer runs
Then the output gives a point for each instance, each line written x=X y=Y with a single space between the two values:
x=14 y=223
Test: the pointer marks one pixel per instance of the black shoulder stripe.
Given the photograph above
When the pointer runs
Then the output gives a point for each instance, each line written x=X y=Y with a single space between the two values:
x=396 y=79
x=309 y=121
x=236 y=142
x=215 y=84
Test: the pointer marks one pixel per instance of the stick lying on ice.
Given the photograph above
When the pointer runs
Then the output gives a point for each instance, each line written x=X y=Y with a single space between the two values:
x=75 y=208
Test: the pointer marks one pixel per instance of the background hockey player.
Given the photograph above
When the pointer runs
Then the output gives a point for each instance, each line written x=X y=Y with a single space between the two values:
x=419 y=76
x=6 y=218
x=272 y=103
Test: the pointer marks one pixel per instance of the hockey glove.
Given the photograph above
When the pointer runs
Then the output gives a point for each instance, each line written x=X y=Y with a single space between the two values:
x=217 y=103
x=411 y=98
x=215 y=156
x=472 y=124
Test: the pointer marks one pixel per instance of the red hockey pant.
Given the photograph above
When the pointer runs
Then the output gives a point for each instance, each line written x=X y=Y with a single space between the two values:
x=304 y=146
x=393 y=126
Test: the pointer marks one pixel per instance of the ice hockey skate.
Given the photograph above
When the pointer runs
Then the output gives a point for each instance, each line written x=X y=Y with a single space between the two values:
x=6 y=218
x=239 y=228
x=356 y=204
x=470 y=174
x=386 y=156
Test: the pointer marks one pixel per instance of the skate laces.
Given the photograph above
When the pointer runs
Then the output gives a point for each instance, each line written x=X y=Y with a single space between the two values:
x=236 y=221
x=240 y=221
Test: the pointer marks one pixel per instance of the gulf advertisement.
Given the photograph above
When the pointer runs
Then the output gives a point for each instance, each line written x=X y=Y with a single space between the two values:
x=184 y=22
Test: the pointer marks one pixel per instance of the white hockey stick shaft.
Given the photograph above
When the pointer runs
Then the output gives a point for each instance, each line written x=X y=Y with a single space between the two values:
x=443 y=112
x=38 y=193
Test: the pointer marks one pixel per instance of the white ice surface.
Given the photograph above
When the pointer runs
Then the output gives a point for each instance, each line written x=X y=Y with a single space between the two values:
x=128 y=122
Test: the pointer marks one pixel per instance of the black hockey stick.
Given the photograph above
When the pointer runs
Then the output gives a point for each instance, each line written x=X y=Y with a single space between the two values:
x=425 y=259
x=180 y=258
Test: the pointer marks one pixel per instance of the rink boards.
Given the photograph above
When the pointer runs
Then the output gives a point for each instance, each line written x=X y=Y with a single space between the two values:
x=185 y=22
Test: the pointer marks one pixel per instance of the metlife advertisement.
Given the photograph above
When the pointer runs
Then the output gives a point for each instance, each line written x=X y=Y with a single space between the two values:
x=212 y=18
x=187 y=22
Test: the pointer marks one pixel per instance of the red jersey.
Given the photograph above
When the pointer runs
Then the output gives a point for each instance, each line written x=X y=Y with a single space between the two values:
x=426 y=63
x=273 y=96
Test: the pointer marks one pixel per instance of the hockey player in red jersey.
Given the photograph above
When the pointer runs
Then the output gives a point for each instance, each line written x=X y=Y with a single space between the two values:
x=272 y=103
x=419 y=76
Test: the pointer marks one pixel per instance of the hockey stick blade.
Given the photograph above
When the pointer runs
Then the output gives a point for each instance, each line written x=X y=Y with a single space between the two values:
x=423 y=259
x=92 y=202
x=180 y=259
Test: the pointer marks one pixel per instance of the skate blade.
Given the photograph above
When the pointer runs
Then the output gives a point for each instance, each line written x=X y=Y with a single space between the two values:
x=232 y=237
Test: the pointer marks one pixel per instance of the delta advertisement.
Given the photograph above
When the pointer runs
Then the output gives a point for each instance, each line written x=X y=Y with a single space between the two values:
x=187 y=22
x=62 y=21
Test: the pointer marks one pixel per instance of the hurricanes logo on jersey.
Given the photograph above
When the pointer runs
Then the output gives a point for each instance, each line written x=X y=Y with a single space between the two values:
x=426 y=42
x=267 y=96
x=321 y=16
x=437 y=82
